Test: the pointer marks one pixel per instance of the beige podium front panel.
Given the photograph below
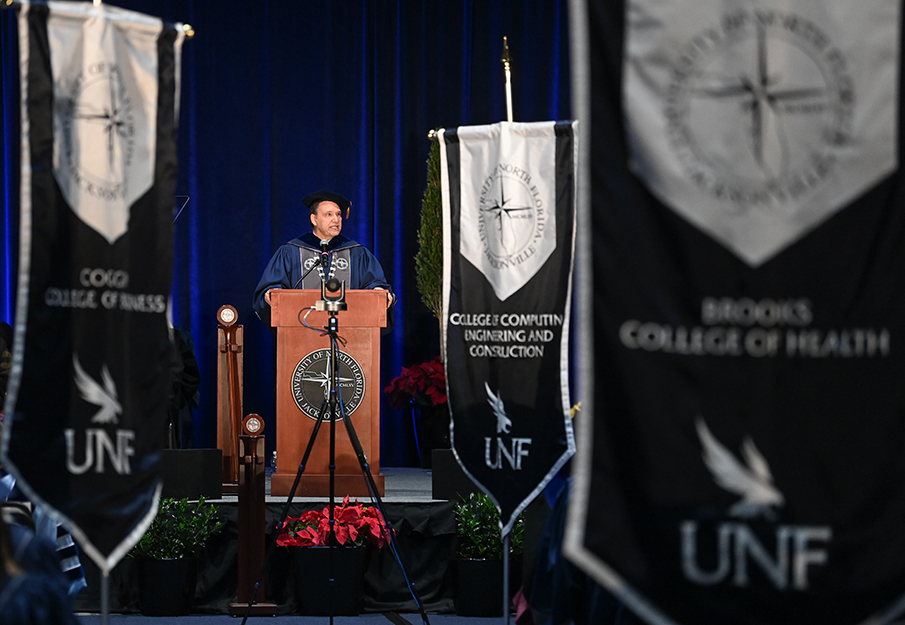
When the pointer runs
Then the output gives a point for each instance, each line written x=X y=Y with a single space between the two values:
x=303 y=366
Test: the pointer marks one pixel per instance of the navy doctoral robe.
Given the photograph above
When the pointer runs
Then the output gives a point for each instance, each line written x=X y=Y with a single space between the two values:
x=349 y=261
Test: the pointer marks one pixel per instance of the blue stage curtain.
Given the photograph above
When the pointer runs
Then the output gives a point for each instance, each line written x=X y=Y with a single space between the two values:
x=280 y=98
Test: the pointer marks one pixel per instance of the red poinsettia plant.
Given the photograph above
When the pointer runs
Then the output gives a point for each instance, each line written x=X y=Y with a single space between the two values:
x=355 y=525
x=424 y=383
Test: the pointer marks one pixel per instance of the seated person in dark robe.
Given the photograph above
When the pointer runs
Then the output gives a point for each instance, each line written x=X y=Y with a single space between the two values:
x=33 y=589
x=185 y=379
x=297 y=264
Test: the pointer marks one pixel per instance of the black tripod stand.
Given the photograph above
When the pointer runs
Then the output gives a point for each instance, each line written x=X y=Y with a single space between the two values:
x=333 y=301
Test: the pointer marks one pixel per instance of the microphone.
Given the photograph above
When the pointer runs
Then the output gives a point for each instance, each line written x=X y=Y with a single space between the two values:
x=325 y=256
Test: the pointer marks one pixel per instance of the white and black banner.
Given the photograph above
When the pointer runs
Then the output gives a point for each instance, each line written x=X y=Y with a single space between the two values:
x=87 y=405
x=508 y=228
x=741 y=446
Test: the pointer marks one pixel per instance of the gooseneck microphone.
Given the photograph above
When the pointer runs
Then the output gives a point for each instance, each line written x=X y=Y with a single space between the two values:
x=325 y=261
x=325 y=256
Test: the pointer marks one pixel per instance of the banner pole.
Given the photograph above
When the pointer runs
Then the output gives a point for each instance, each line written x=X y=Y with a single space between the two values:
x=506 y=578
x=105 y=597
x=506 y=71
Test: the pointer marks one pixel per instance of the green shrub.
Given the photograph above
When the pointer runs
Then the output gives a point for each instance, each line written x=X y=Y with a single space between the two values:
x=479 y=533
x=429 y=259
x=178 y=531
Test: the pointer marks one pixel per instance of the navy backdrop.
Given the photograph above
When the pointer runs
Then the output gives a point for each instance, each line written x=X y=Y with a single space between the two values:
x=282 y=97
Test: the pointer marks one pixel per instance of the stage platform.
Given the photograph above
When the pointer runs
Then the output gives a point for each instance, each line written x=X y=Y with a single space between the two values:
x=425 y=533
x=402 y=485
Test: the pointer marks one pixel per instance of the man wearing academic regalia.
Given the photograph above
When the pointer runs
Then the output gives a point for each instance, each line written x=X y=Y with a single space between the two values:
x=297 y=264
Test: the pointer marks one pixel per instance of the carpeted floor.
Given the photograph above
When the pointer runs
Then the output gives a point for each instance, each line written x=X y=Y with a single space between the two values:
x=224 y=619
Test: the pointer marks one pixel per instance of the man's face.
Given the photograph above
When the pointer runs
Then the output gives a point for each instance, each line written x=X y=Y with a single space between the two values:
x=327 y=220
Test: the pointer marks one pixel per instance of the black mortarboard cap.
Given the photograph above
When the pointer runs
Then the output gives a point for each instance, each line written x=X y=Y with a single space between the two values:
x=313 y=199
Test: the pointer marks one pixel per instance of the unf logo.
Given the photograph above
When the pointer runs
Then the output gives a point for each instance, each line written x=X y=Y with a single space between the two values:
x=106 y=441
x=496 y=449
x=727 y=552
x=311 y=383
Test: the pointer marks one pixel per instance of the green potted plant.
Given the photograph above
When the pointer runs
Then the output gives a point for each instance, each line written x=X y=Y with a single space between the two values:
x=313 y=556
x=478 y=565
x=429 y=258
x=167 y=555
x=422 y=387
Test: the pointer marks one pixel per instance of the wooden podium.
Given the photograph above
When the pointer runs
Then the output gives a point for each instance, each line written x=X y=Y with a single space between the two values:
x=303 y=367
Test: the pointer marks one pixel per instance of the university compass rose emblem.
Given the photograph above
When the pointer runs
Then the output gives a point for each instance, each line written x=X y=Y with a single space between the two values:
x=507 y=222
x=310 y=383
x=758 y=112
x=757 y=124
x=514 y=236
x=99 y=126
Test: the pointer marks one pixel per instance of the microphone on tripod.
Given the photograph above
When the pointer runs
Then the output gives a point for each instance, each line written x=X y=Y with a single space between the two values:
x=325 y=256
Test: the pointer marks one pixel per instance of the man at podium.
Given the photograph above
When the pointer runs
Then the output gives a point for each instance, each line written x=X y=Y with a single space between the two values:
x=324 y=253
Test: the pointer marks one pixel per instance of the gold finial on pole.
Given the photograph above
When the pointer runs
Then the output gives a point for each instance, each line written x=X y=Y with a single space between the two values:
x=506 y=68
x=188 y=30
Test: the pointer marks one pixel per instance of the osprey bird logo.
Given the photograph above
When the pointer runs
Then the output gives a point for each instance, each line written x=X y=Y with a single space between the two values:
x=753 y=482
x=503 y=423
x=93 y=393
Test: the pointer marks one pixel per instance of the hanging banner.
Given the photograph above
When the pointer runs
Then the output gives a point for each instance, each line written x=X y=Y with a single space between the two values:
x=86 y=412
x=742 y=455
x=508 y=227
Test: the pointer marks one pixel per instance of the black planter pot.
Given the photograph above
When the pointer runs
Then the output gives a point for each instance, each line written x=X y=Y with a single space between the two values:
x=167 y=587
x=478 y=587
x=311 y=569
x=432 y=429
